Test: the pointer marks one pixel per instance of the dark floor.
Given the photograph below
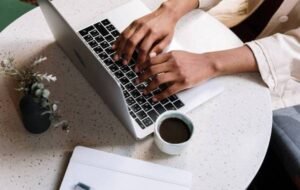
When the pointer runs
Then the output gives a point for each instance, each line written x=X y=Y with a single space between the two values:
x=272 y=175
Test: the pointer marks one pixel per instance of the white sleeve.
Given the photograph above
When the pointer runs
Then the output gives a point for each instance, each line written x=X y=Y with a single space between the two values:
x=278 y=59
x=208 y=4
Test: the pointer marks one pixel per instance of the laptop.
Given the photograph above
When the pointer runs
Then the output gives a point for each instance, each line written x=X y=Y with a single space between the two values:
x=90 y=50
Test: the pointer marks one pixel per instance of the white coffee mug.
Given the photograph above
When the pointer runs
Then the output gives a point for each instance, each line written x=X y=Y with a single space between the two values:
x=167 y=147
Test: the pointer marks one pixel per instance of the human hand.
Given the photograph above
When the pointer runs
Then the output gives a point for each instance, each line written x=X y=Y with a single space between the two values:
x=178 y=70
x=152 y=32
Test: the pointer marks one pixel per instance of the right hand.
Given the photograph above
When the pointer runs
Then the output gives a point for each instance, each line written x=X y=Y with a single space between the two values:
x=149 y=35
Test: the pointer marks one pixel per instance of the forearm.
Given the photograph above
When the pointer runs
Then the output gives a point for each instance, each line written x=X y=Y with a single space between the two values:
x=238 y=60
x=179 y=8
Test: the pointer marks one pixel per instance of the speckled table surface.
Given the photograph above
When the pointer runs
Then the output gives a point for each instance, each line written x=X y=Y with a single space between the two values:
x=232 y=130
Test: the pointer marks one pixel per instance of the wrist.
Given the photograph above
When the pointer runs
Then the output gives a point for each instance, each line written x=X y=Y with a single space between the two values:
x=178 y=8
x=232 y=61
x=215 y=63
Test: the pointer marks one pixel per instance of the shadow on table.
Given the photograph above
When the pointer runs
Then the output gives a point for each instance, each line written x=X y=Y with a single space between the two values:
x=91 y=121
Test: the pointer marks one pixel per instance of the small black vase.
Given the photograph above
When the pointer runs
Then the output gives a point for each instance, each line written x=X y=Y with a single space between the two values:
x=32 y=117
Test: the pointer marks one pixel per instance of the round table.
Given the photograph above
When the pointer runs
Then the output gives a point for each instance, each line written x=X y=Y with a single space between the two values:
x=232 y=130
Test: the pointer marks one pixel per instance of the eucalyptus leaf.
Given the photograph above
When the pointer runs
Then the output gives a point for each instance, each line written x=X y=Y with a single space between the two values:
x=46 y=93
x=40 y=85
x=34 y=86
x=38 y=92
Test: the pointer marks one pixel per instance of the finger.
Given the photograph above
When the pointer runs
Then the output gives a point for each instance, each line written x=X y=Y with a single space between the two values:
x=158 y=48
x=152 y=61
x=145 y=47
x=132 y=42
x=121 y=41
x=160 y=79
x=133 y=26
x=154 y=70
x=171 y=90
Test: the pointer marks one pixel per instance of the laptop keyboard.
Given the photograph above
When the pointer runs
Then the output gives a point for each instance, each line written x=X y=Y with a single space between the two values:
x=100 y=38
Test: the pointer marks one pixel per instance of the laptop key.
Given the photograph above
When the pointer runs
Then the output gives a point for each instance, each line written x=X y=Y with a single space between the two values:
x=108 y=62
x=141 y=100
x=131 y=75
x=126 y=94
x=148 y=96
x=159 y=108
x=164 y=101
x=129 y=87
x=105 y=22
x=178 y=104
x=132 y=115
x=88 y=38
x=157 y=91
x=98 y=49
x=151 y=101
x=130 y=101
x=131 y=63
x=99 y=39
x=141 y=115
x=123 y=80
x=119 y=74
x=110 y=27
x=147 y=122
x=119 y=63
x=101 y=29
x=113 y=68
x=153 y=115
x=170 y=106
x=94 y=33
x=125 y=68
x=109 y=50
x=173 y=98
x=104 y=44
x=109 y=38
x=93 y=43
x=135 y=93
x=115 y=33
x=103 y=55
x=135 y=108
x=140 y=123
x=146 y=107
x=86 y=30
x=141 y=87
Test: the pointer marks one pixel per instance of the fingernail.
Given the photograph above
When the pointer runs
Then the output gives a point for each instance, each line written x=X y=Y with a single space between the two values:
x=136 y=69
x=154 y=99
x=145 y=92
x=152 y=54
x=125 y=62
x=113 y=46
x=137 y=81
x=116 y=57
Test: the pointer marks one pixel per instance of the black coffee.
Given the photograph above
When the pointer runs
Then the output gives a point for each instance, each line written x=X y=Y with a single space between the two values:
x=174 y=131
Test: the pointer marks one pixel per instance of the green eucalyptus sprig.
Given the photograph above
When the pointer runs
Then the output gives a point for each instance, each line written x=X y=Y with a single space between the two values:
x=31 y=82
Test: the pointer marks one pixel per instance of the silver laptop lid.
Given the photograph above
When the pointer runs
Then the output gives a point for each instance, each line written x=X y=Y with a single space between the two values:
x=86 y=62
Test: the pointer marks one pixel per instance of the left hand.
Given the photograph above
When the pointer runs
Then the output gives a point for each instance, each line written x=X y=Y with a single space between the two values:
x=180 y=70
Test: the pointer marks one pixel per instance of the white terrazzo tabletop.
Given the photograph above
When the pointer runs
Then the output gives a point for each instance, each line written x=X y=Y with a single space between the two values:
x=232 y=130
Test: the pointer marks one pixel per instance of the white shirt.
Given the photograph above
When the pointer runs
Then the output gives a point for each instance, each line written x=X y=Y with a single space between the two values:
x=277 y=49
